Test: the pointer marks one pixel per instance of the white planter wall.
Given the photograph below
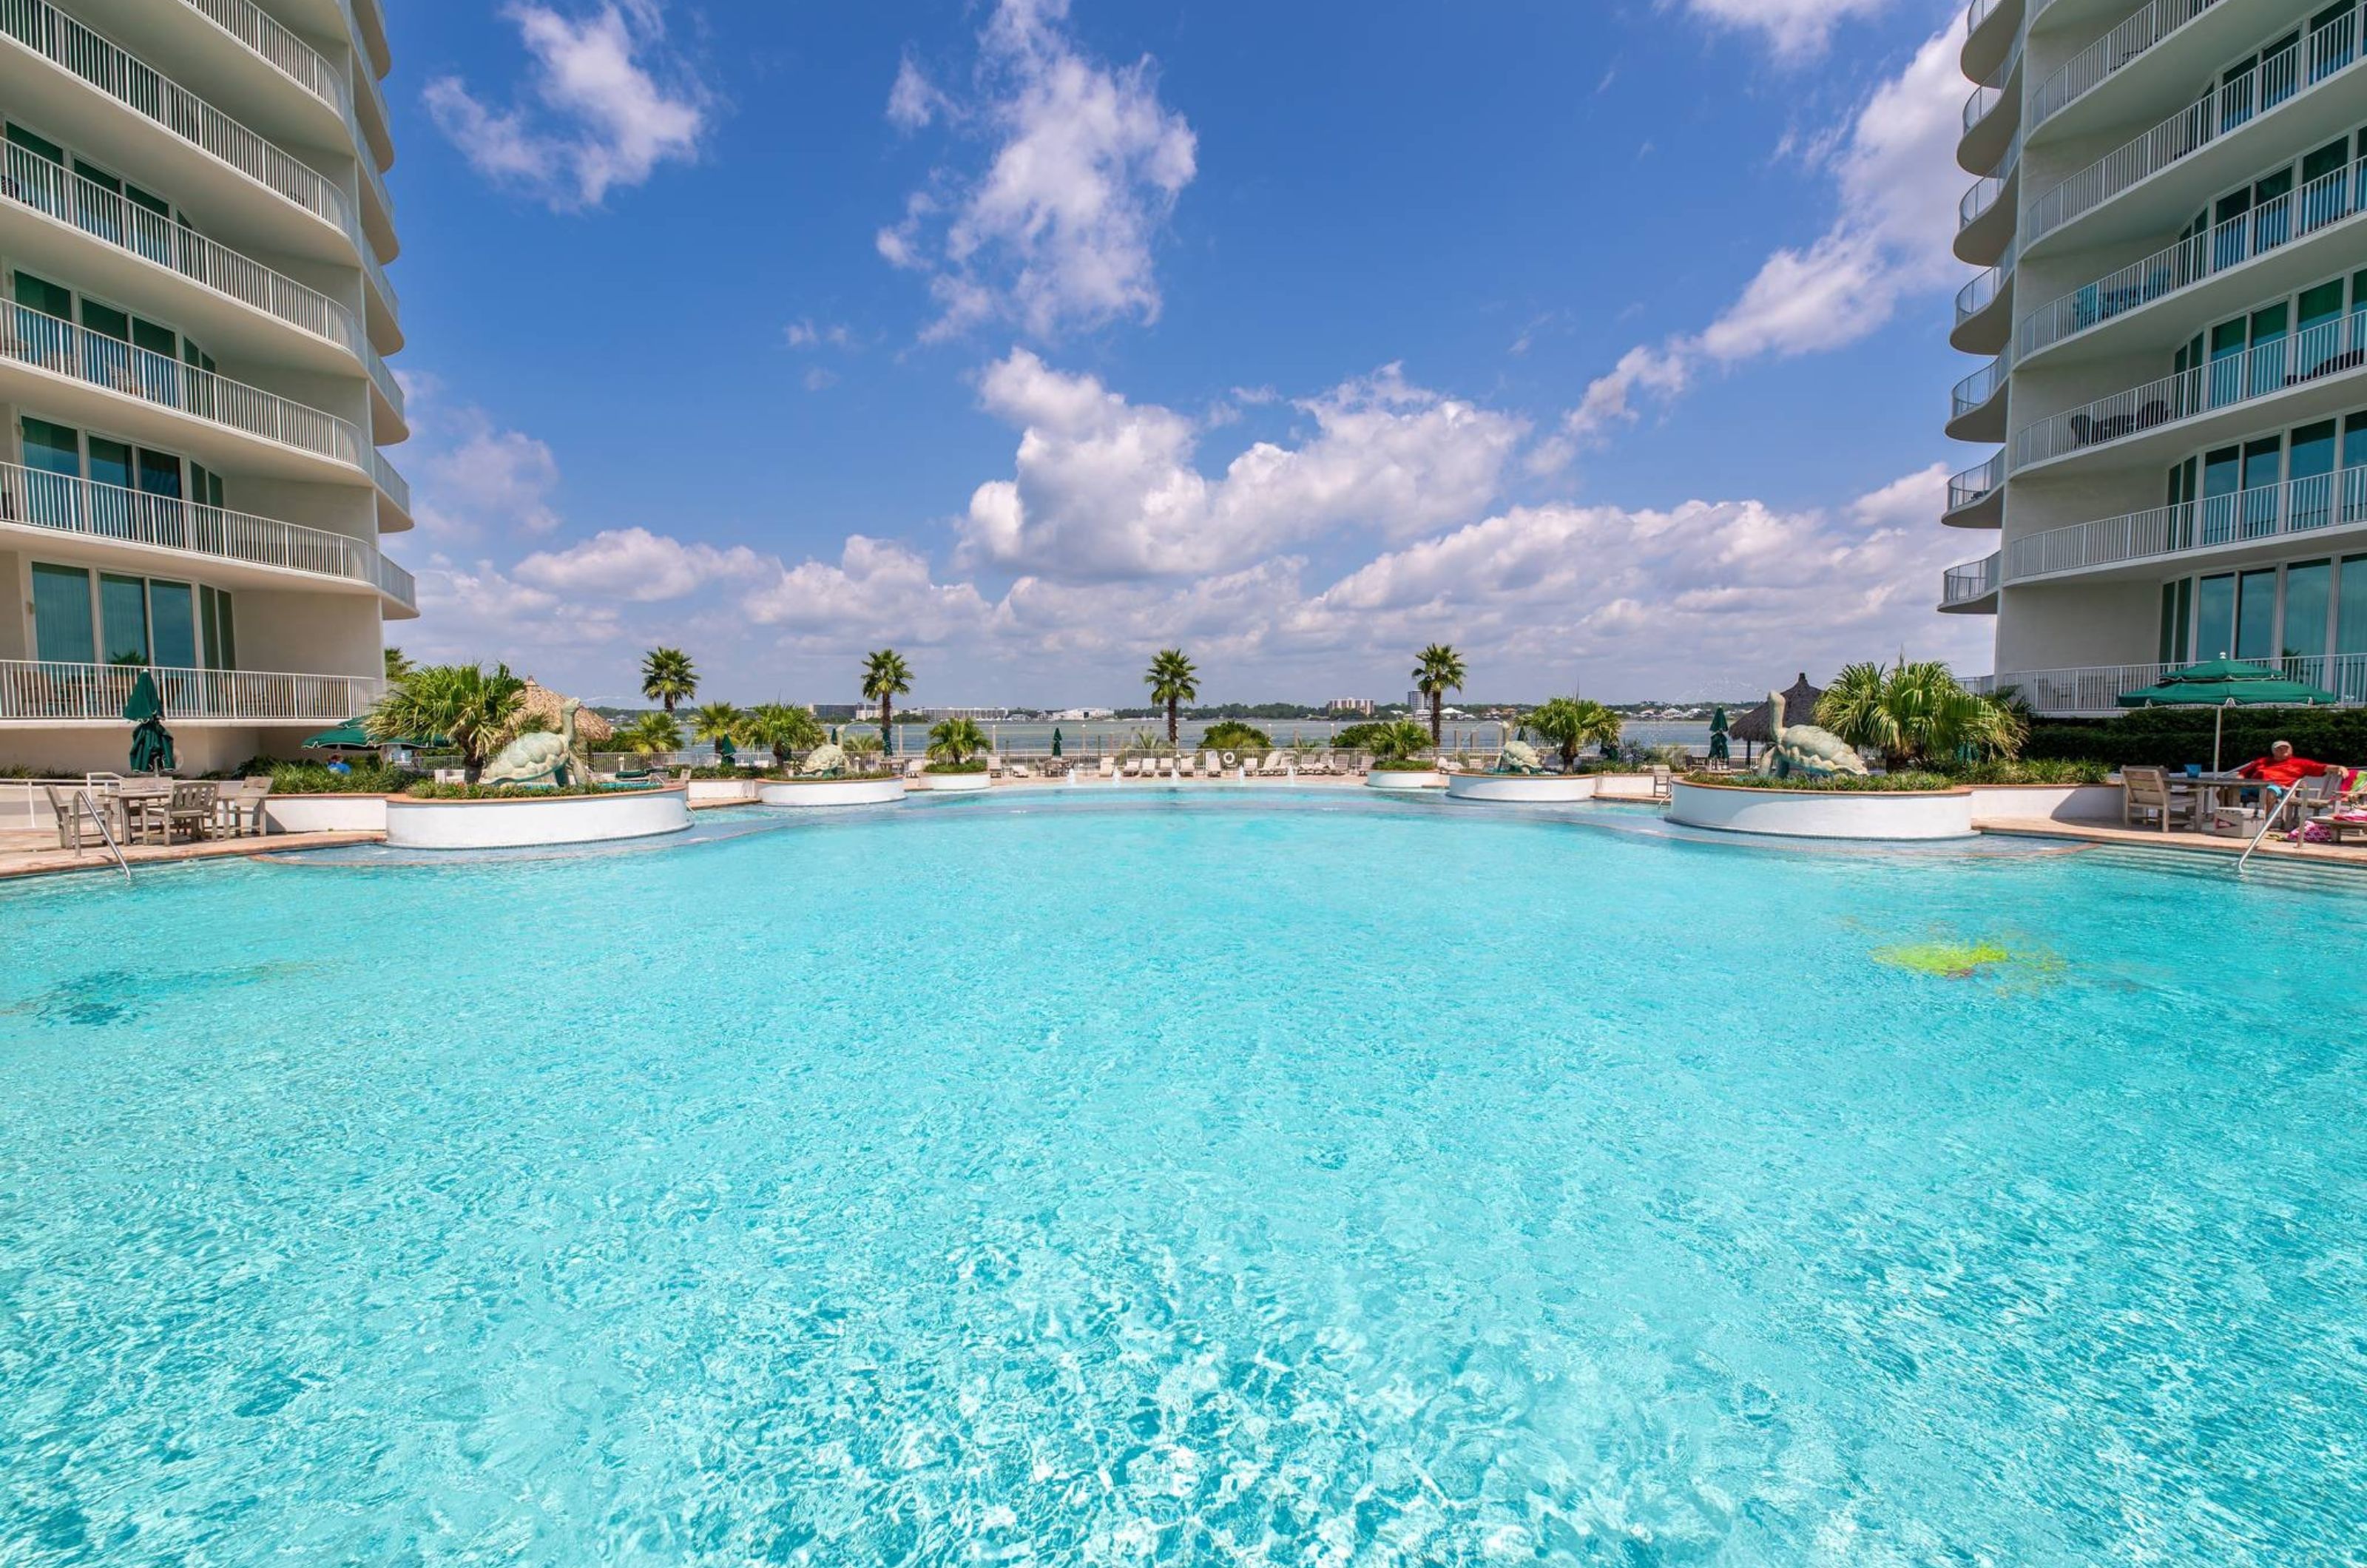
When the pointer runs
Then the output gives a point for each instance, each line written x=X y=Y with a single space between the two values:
x=1809 y=814
x=1532 y=789
x=832 y=792
x=953 y=783
x=324 y=813
x=1378 y=778
x=2055 y=803
x=722 y=792
x=513 y=824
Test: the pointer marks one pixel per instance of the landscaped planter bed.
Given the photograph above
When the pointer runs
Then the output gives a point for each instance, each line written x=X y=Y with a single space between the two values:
x=953 y=783
x=1824 y=814
x=876 y=791
x=1532 y=789
x=1405 y=780
x=324 y=813
x=520 y=822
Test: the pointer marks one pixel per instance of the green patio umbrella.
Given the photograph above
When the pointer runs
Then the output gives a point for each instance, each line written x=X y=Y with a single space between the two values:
x=351 y=736
x=1719 y=749
x=726 y=753
x=151 y=747
x=2222 y=683
x=1056 y=741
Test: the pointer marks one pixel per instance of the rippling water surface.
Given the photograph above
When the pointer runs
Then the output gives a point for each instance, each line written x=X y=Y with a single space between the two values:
x=1183 y=1181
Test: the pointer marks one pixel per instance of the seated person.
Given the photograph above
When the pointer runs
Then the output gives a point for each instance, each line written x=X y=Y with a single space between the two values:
x=2281 y=767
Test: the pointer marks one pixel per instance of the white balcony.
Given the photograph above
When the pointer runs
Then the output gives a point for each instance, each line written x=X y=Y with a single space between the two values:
x=1975 y=496
x=45 y=694
x=1970 y=589
x=62 y=350
x=2325 y=203
x=389 y=422
x=1985 y=217
x=128 y=520
x=290 y=55
x=1976 y=405
x=98 y=64
x=2093 y=689
x=396 y=491
x=1992 y=116
x=1985 y=311
x=93 y=210
x=2296 y=74
x=2328 y=356
x=2215 y=525
x=1990 y=28
x=2135 y=37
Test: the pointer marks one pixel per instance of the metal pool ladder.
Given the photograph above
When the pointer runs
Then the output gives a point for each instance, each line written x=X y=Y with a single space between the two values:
x=106 y=834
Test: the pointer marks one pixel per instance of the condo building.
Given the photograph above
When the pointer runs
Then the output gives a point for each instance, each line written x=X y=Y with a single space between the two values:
x=194 y=231
x=2172 y=216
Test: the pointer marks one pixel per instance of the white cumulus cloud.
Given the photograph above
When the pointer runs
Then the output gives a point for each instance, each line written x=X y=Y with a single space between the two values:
x=1794 y=29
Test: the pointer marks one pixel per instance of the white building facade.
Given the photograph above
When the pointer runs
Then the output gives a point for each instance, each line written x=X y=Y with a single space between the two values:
x=2172 y=214
x=194 y=231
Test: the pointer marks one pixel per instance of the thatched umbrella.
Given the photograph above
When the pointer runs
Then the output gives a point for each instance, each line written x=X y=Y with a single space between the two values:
x=1757 y=725
x=541 y=703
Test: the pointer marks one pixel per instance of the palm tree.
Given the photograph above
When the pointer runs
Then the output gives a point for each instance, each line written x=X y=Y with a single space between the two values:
x=784 y=727
x=649 y=734
x=886 y=677
x=476 y=711
x=1917 y=713
x=1437 y=670
x=397 y=666
x=1400 y=740
x=957 y=740
x=1569 y=724
x=668 y=676
x=721 y=723
x=1173 y=681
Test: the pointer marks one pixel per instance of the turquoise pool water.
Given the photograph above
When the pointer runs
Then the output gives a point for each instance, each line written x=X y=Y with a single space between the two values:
x=1183 y=1181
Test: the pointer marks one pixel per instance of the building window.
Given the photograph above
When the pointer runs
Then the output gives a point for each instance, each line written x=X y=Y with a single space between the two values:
x=2309 y=587
x=2256 y=615
x=124 y=619
x=2176 y=610
x=2215 y=616
x=62 y=633
x=172 y=614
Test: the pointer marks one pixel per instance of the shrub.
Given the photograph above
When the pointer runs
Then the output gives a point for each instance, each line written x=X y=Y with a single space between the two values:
x=974 y=765
x=1404 y=765
x=367 y=776
x=1840 y=784
x=2033 y=771
x=1232 y=734
x=425 y=789
x=2171 y=737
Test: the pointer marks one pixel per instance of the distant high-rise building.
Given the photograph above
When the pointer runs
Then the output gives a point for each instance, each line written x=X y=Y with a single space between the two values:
x=2173 y=216
x=194 y=231
x=1350 y=704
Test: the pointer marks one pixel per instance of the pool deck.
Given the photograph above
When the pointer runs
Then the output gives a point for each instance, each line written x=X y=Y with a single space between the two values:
x=37 y=854
x=2346 y=855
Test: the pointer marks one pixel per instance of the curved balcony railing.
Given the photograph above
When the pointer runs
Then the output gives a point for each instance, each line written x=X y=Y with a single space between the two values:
x=2330 y=199
x=1983 y=290
x=2302 y=66
x=70 y=504
x=140 y=87
x=1973 y=579
x=1986 y=190
x=1977 y=388
x=2268 y=512
x=295 y=59
x=383 y=379
x=397 y=488
x=2095 y=688
x=67 y=692
x=1989 y=93
x=2330 y=348
x=33 y=181
x=1975 y=483
x=29 y=337
x=2080 y=74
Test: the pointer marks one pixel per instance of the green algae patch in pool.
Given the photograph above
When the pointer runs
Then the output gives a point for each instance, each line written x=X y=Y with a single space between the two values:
x=1944 y=960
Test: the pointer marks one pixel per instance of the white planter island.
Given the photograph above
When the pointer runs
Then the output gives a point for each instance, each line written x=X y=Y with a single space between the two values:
x=1522 y=789
x=878 y=790
x=1824 y=814
x=523 y=821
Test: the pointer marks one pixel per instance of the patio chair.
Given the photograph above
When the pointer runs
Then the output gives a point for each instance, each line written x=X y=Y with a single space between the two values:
x=238 y=813
x=66 y=809
x=1664 y=781
x=1108 y=769
x=191 y=808
x=2146 y=795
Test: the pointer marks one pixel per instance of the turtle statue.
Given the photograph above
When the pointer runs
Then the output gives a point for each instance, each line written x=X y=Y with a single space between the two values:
x=1517 y=757
x=541 y=757
x=823 y=762
x=1806 y=750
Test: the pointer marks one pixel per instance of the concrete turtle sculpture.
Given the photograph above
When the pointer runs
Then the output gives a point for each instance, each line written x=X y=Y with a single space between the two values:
x=823 y=762
x=1805 y=748
x=541 y=757
x=1519 y=757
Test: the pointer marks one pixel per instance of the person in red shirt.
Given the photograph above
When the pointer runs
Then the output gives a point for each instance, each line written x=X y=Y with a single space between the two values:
x=2281 y=767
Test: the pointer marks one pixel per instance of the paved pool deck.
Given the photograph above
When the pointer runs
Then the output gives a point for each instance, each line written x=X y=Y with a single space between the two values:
x=37 y=854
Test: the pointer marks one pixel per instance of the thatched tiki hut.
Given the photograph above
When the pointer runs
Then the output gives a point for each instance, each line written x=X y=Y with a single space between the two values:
x=540 y=708
x=1758 y=726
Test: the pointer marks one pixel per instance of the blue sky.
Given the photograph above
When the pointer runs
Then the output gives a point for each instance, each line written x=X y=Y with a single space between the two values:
x=1604 y=340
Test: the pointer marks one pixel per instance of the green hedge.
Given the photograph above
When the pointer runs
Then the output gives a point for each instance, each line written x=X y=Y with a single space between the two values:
x=2171 y=737
x=428 y=790
x=975 y=765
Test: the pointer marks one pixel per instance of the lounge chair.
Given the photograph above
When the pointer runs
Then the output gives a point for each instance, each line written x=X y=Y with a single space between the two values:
x=2146 y=795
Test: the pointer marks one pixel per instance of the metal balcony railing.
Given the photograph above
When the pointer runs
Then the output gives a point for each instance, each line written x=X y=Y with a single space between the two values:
x=294 y=59
x=383 y=379
x=397 y=488
x=29 y=337
x=2303 y=67
x=2095 y=688
x=2330 y=199
x=63 y=692
x=1973 y=579
x=31 y=180
x=1977 y=388
x=1986 y=190
x=2137 y=34
x=2267 y=511
x=67 y=503
x=1988 y=94
x=2329 y=348
x=1975 y=483
x=1983 y=290
x=71 y=46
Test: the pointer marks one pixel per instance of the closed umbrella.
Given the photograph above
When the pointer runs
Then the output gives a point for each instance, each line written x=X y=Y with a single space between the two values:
x=151 y=747
x=2222 y=683
x=1718 y=749
x=1056 y=741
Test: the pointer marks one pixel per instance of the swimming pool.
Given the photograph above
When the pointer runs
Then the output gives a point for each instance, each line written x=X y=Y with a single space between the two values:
x=1184 y=1180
